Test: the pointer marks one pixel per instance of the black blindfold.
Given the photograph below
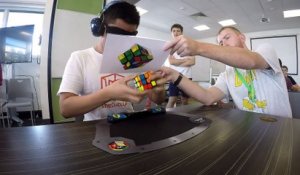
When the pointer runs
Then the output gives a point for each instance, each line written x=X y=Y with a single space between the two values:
x=119 y=31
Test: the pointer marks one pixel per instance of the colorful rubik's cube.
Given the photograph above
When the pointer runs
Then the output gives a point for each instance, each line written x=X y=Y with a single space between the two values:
x=142 y=82
x=135 y=57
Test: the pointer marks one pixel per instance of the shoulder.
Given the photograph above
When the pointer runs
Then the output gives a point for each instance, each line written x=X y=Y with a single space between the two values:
x=269 y=54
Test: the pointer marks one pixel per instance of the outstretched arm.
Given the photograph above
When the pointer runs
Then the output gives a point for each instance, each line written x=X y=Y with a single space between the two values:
x=233 y=56
x=205 y=96
x=183 y=62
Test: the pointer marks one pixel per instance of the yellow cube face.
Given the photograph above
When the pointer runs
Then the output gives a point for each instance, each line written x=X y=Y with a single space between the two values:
x=122 y=56
x=153 y=83
x=134 y=48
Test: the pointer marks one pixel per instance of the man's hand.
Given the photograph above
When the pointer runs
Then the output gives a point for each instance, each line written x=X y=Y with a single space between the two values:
x=184 y=46
x=120 y=90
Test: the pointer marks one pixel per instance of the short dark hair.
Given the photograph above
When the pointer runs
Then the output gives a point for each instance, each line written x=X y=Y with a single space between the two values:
x=122 y=10
x=177 y=26
x=229 y=27
x=284 y=66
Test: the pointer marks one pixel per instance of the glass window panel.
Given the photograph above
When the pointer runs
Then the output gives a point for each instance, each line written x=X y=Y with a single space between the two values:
x=1 y=18
x=26 y=18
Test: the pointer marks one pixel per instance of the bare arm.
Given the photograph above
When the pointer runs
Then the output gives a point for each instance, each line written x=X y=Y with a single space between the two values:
x=233 y=56
x=184 y=62
x=205 y=96
x=72 y=105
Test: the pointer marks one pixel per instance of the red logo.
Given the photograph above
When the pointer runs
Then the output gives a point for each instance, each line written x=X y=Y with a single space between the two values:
x=109 y=79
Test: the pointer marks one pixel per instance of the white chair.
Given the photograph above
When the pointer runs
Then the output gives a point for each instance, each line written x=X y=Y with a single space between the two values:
x=19 y=94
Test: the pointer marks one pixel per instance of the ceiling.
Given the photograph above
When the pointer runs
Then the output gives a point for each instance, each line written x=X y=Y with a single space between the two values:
x=162 y=14
x=246 y=13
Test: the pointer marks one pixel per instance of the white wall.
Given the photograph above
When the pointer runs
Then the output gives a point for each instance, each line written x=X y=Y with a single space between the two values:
x=150 y=33
x=44 y=61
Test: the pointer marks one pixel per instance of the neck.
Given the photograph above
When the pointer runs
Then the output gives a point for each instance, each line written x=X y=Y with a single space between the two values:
x=100 y=45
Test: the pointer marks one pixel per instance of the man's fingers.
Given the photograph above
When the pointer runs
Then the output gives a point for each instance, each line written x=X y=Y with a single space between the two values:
x=172 y=45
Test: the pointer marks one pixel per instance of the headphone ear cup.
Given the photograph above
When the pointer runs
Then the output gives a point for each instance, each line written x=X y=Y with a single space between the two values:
x=96 y=24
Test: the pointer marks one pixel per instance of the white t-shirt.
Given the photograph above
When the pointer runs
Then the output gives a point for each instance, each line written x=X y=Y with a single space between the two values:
x=186 y=71
x=82 y=77
x=269 y=84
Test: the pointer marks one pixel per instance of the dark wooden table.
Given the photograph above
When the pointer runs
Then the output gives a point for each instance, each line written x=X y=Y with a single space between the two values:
x=237 y=142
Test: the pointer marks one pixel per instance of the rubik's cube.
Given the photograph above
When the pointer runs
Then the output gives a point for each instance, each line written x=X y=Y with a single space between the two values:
x=142 y=82
x=135 y=57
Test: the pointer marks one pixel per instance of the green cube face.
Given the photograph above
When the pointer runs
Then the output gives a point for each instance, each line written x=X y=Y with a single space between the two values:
x=128 y=53
x=137 y=53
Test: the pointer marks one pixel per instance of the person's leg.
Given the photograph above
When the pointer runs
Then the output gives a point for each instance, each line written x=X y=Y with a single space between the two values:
x=171 y=102
x=184 y=98
x=173 y=93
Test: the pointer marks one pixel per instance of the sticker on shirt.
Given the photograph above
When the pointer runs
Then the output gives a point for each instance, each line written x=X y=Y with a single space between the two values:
x=108 y=79
x=115 y=105
x=249 y=105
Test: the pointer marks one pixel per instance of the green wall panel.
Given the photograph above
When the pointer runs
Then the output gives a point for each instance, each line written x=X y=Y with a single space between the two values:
x=57 y=117
x=84 y=6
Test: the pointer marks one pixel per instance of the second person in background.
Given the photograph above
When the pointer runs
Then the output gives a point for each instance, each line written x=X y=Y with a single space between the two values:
x=182 y=65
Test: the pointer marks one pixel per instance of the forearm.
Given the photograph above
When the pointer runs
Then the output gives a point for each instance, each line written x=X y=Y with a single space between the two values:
x=204 y=96
x=78 y=105
x=176 y=62
x=190 y=61
x=296 y=87
x=233 y=56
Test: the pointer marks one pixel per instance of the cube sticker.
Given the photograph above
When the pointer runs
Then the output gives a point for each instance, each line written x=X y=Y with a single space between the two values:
x=142 y=82
x=135 y=57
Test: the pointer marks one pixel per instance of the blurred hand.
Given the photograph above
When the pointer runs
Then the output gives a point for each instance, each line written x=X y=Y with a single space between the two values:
x=120 y=90
x=184 y=46
x=159 y=79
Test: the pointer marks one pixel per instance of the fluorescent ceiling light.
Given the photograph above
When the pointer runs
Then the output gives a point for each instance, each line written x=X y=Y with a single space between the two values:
x=291 y=13
x=201 y=27
x=227 y=22
x=141 y=10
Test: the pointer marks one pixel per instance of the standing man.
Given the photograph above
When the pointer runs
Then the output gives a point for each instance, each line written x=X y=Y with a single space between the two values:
x=253 y=78
x=182 y=65
x=84 y=91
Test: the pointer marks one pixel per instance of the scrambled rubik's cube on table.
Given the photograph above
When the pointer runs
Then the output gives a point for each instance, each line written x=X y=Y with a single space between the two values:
x=142 y=82
x=135 y=57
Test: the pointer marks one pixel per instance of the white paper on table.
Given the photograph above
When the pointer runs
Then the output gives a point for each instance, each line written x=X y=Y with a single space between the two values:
x=118 y=44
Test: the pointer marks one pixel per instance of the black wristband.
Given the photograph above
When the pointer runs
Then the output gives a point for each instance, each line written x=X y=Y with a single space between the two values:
x=176 y=83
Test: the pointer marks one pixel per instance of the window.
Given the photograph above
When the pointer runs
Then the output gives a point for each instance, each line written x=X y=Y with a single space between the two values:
x=1 y=18
x=26 y=18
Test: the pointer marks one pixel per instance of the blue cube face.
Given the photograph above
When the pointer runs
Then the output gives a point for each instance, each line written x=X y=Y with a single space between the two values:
x=135 y=57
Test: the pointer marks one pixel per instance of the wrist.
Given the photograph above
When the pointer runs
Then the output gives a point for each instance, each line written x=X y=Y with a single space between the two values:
x=178 y=80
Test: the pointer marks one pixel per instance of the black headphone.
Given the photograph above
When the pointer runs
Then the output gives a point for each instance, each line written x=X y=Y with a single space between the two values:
x=97 y=24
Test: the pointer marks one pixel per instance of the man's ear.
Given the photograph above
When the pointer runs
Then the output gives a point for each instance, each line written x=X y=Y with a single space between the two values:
x=242 y=37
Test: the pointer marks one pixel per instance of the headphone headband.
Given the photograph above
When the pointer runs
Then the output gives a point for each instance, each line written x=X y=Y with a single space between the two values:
x=97 y=24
